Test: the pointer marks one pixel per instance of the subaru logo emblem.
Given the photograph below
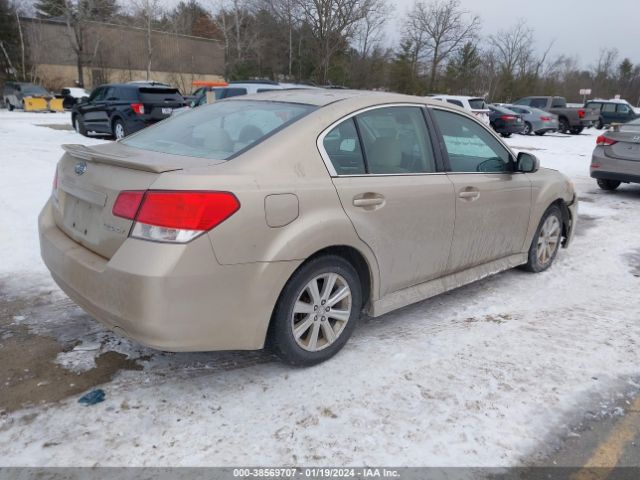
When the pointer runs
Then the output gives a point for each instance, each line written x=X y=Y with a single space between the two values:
x=80 y=168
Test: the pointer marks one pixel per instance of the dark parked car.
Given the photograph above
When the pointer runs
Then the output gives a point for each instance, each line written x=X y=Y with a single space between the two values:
x=505 y=121
x=123 y=109
x=612 y=111
x=72 y=96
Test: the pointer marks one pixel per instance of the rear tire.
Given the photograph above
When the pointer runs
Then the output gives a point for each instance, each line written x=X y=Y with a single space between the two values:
x=576 y=130
x=505 y=135
x=119 y=130
x=600 y=124
x=540 y=133
x=546 y=241
x=309 y=325
x=10 y=106
x=608 y=185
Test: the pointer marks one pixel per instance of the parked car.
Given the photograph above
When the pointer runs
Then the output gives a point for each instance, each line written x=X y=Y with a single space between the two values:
x=612 y=111
x=278 y=219
x=72 y=96
x=475 y=105
x=505 y=121
x=122 y=109
x=616 y=158
x=14 y=93
x=572 y=120
x=535 y=120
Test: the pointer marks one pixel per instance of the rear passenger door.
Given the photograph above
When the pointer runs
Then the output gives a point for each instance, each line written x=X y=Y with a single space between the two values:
x=391 y=185
x=93 y=110
x=493 y=203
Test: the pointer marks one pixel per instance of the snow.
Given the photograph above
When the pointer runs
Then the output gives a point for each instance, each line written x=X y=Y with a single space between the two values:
x=486 y=375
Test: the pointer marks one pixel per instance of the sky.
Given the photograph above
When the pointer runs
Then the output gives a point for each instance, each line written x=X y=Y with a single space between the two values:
x=579 y=27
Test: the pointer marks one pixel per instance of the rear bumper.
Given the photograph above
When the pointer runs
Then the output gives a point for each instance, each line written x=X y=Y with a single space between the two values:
x=612 y=168
x=168 y=297
x=620 y=177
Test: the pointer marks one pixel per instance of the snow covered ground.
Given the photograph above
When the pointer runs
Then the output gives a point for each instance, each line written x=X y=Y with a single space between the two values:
x=486 y=375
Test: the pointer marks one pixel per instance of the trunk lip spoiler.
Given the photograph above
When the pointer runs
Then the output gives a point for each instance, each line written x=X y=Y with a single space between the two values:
x=82 y=152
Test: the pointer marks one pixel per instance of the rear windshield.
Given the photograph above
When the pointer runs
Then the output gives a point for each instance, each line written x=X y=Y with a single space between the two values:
x=218 y=131
x=477 y=104
x=151 y=95
x=33 y=90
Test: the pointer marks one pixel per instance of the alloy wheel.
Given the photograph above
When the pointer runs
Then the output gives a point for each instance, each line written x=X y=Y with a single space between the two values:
x=321 y=312
x=548 y=240
x=119 y=131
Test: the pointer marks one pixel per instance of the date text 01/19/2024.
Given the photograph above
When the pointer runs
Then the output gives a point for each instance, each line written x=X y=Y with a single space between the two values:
x=313 y=473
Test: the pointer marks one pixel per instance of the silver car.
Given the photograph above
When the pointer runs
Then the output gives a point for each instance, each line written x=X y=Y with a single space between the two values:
x=616 y=158
x=535 y=120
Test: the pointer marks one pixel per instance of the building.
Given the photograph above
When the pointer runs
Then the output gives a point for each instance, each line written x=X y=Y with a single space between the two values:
x=115 y=53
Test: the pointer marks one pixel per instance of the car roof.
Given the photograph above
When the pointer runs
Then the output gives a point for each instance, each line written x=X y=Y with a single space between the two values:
x=323 y=97
x=457 y=97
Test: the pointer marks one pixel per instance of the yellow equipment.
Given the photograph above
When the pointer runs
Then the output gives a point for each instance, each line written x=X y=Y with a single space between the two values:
x=35 y=104
x=55 y=105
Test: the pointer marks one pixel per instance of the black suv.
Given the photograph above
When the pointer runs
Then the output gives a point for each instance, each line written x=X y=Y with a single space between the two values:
x=122 y=109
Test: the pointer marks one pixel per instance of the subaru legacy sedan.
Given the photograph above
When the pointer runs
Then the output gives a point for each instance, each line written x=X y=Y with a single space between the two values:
x=277 y=220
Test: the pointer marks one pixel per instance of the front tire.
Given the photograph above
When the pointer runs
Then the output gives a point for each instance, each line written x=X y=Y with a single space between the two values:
x=528 y=129
x=316 y=312
x=608 y=185
x=505 y=135
x=546 y=241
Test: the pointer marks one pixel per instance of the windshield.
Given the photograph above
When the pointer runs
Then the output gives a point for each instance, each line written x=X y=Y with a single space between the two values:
x=220 y=130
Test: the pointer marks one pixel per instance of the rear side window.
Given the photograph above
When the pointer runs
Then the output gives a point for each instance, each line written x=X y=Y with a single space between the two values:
x=230 y=92
x=159 y=95
x=477 y=103
x=218 y=131
x=470 y=147
x=396 y=141
x=343 y=148
x=455 y=102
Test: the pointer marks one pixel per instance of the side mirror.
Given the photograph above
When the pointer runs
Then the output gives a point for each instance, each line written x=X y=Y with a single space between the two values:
x=527 y=163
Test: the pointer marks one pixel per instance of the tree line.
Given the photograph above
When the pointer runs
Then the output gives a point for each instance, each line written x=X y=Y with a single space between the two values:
x=441 y=47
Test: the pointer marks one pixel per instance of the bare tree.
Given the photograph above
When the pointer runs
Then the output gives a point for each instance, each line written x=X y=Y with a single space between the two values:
x=370 y=29
x=288 y=12
x=512 y=47
x=442 y=27
x=147 y=13
x=332 y=23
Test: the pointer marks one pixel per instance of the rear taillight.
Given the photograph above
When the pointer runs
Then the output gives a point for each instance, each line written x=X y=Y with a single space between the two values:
x=581 y=113
x=602 y=140
x=127 y=204
x=545 y=119
x=174 y=216
x=138 y=108
x=508 y=117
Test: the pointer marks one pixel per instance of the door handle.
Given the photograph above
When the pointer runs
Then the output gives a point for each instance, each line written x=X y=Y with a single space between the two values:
x=469 y=194
x=368 y=200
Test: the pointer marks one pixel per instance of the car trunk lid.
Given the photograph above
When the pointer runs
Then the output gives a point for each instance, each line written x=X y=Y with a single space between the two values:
x=89 y=180
x=627 y=144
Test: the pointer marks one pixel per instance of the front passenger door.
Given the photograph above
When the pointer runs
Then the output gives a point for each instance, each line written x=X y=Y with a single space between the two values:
x=493 y=203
